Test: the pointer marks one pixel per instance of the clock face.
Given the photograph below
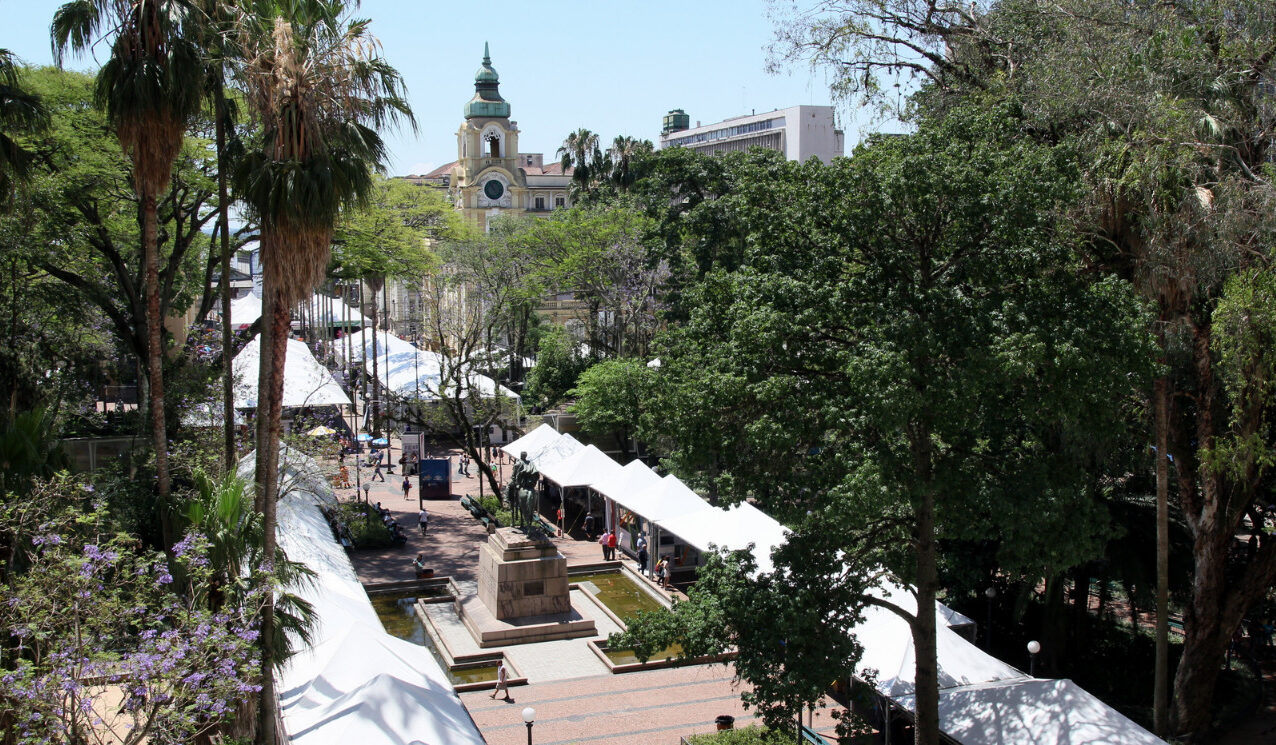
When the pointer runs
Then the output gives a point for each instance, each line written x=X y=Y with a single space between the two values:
x=493 y=189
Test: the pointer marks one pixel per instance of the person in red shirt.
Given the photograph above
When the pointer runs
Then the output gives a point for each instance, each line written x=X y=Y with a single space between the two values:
x=611 y=545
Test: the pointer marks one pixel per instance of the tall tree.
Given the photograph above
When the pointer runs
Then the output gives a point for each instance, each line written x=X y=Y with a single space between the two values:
x=150 y=88
x=21 y=113
x=901 y=360
x=319 y=90
x=580 y=153
x=1167 y=105
x=623 y=152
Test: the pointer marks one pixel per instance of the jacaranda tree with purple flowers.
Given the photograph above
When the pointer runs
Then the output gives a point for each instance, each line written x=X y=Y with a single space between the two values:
x=99 y=645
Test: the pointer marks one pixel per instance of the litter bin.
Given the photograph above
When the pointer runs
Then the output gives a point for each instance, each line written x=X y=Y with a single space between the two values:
x=725 y=722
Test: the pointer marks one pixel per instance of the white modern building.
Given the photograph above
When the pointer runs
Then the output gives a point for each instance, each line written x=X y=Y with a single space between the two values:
x=800 y=132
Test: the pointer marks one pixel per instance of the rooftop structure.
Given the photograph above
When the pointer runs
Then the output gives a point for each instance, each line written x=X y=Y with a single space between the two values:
x=800 y=132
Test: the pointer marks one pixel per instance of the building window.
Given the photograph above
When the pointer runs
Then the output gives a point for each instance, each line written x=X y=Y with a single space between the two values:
x=540 y=203
x=494 y=145
x=560 y=202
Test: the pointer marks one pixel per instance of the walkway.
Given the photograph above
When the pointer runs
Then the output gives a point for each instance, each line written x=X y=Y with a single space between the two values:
x=577 y=700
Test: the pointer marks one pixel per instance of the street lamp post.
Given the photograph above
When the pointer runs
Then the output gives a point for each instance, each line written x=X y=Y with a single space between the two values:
x=529 y=717
x=990 y=593
x=1034 y=647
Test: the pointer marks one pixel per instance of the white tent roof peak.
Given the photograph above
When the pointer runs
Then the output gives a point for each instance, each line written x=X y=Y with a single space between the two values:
x=306 y=382
x=585 y=467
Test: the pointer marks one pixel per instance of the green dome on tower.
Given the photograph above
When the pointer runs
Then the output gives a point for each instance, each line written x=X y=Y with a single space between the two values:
x=487 y=102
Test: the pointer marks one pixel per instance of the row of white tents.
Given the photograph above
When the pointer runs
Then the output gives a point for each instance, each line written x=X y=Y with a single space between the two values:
x=417 y=374
x=326 y=311
x=983 y=701
x=354 y=683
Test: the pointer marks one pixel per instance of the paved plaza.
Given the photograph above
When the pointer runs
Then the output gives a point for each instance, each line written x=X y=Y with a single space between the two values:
x=576 y=698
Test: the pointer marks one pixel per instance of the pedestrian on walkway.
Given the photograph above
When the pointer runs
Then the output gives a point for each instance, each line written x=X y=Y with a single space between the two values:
x=603 y=540
x=589 y=527
x=559 y=520
x=642 y=554
x=664 y=572
x=612 y=540
x=377 y=471
x=407 y=487
x=423 y=519
x=345 y=477
x=502 y=681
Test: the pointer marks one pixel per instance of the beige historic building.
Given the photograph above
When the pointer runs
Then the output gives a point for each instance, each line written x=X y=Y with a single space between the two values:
x=490 y=176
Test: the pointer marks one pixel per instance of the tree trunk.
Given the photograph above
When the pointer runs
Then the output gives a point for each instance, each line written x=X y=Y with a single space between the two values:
x=228 y=337
x=376 y=376
x=1160 y=696
x=155 y=361
x=270 y=381
x=926 y=676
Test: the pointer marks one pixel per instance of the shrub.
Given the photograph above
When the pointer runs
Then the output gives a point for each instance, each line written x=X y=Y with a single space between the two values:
x=365 y=525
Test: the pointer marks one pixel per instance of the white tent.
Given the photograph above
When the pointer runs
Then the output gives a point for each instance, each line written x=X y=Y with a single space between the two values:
x=633 y=478
x=355 y=682
x=1031 y=711
x=306 y=382
x=733 y=528
x=665 y=499
x=244 y=311
x=890 y=657
x=584 y=467
x=533 y=442
x=414 y=373
x=331 y=312
x=554 y=451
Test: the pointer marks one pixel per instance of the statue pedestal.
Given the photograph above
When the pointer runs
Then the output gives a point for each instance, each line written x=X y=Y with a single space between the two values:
x=522 y=593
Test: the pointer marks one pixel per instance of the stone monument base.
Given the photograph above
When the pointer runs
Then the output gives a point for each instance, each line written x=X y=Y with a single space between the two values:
x=489 y=631
x=522 y=593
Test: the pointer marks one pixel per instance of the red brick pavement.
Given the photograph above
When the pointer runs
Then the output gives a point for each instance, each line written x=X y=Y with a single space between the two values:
x=655 y=706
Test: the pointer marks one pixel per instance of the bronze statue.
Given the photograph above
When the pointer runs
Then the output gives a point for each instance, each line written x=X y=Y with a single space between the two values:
x=520 y=493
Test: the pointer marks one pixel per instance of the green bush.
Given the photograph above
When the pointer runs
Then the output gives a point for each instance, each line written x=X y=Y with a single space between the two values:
x=366 y=527
x=751 y=735
x=494 y=508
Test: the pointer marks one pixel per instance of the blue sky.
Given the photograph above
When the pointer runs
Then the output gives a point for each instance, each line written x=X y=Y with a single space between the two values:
x=612 y=67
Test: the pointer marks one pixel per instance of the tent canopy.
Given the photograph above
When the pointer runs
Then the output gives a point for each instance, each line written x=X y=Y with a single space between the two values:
x=413 y=373
x=733 y=528
x=633 y=478
x=664 y=499
x=355 y=682
x=1028 y=711
x=584 y=467
x=332 y=312
x=533 y=442
x=306 y=382
x=245 y=311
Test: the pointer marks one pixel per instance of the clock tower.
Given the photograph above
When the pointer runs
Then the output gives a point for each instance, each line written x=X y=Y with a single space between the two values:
x=487 y=178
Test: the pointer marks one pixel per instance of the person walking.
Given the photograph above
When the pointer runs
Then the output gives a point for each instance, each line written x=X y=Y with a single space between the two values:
x=642 y=554
x=589 y=526
x=559 y=519
x=407 y=487
x=612 y=540
x=345 y=477
x=502 y=681
x=377 y=471
x=602 y=541
x=423 y=519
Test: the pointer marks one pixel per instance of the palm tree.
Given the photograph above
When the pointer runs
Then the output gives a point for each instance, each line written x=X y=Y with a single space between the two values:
x=215 y=27
x=150 y=88
x=319 y=91
x=580 y=152
x=20 y=113
x=624 y=150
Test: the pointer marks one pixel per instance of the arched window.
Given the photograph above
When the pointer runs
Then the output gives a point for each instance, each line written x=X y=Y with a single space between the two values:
x=493 y=145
